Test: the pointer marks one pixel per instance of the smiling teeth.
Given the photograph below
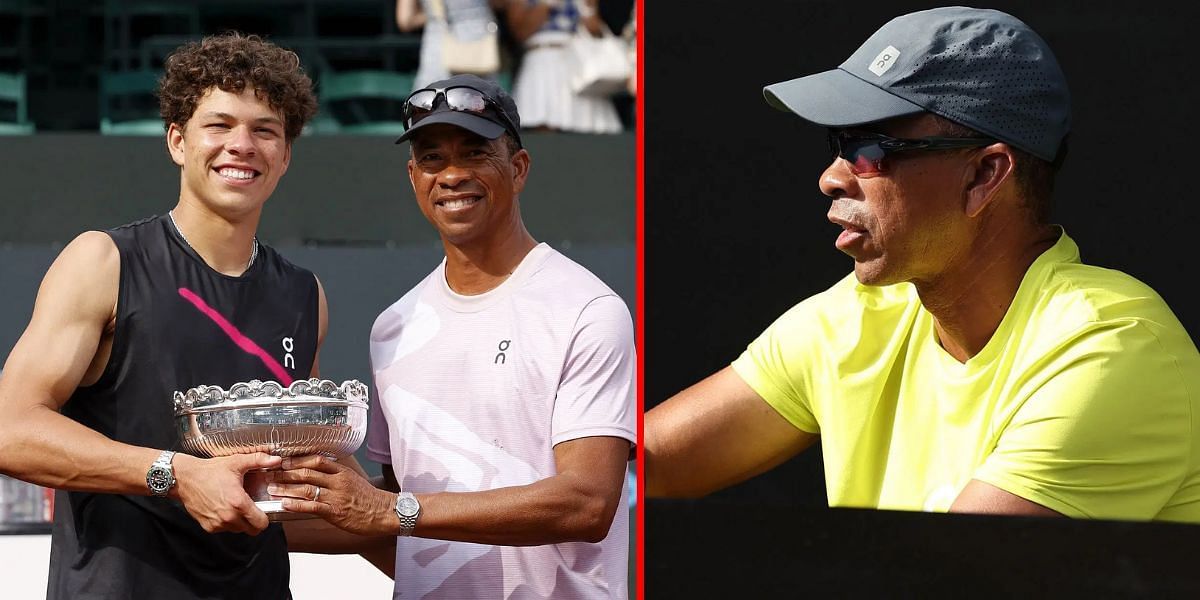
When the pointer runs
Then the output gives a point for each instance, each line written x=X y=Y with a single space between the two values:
x=456 y=204
x=236 y=173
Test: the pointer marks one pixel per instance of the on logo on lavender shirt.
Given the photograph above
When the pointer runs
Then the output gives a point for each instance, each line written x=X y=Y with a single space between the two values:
x=503 y=347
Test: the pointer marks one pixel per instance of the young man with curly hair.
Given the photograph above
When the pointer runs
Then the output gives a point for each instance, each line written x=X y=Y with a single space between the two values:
x=127 y=316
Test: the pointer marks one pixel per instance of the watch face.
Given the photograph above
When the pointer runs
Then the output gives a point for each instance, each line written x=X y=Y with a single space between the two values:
x=407 y=506
x=159 y=479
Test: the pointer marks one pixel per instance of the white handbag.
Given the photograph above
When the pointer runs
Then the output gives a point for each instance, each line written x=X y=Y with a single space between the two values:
x=479 y=56
x=599 y=66
x=472 y=46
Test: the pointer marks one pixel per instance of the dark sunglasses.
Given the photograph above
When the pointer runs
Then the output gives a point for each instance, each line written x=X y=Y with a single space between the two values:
x=461 y=98
x=867 y=152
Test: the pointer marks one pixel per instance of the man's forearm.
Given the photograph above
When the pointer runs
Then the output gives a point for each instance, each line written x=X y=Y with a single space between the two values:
x=578 y=503
x=549 y=511
x=319 y=537
x=44 y=447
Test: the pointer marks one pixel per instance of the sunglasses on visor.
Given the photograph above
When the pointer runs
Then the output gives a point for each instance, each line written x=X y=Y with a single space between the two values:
x=421 y=103
x=867 y=152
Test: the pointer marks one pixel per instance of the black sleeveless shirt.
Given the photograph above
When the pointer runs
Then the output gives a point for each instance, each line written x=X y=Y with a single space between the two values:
x=177 y=320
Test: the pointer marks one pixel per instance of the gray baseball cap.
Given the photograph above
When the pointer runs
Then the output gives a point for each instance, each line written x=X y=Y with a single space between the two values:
x=984 y=69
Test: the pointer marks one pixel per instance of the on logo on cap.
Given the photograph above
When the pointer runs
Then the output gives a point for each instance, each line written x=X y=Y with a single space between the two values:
x=884 y=61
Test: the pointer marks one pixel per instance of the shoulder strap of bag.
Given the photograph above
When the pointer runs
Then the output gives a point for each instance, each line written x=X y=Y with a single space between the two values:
x=437 y=10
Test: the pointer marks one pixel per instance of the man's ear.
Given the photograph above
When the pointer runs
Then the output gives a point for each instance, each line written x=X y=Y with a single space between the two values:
x=287 y=157
x=175 y=143
x=520 y=162
x=993 y=166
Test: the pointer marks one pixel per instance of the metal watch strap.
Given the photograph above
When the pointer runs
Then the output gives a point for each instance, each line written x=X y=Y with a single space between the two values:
x=405 y=501
x=163 y=462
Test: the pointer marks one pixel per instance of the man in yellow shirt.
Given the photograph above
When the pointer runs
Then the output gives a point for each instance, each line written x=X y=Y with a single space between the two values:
x=972 y=363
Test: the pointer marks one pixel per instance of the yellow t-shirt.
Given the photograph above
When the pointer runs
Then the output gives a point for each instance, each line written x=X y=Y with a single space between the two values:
x=1084 y=400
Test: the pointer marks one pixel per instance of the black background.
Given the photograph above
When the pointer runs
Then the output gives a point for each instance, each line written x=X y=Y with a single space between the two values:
x=726 y=551
x=735 y=225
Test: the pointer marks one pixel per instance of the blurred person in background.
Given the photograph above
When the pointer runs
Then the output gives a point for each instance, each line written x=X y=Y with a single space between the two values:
x=439 y=19
x=629 y=34
x=542 y=87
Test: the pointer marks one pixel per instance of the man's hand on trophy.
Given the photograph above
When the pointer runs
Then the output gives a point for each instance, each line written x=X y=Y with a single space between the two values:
x=211 y=491
x=336 y=493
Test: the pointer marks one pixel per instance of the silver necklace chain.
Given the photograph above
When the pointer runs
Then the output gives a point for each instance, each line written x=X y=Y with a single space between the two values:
x=253 y=249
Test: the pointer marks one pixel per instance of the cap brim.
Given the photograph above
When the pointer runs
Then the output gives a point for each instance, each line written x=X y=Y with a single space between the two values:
x=836 y=98
x=474 y=124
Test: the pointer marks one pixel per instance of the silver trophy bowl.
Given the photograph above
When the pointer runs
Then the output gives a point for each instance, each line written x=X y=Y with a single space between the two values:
x=312 y=416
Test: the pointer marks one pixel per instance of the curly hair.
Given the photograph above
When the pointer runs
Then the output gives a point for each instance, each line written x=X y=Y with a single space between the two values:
x=231 y=62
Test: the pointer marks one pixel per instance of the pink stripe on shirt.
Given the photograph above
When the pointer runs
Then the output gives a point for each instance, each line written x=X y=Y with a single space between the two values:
x=243 y=342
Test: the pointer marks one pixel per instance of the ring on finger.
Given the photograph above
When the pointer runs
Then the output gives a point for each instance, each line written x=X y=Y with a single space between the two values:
x=317 y=494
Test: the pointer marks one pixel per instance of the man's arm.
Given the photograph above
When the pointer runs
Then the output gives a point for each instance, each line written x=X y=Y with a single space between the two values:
x=525 y=19
x=986 y=499
x=409 y=15
x=577 y=503
x=322 y=328
x=714 y=434
x=75 y=306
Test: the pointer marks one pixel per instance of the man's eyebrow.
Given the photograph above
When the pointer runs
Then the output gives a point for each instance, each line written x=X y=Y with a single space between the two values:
x=228 y=117
x=418 y=149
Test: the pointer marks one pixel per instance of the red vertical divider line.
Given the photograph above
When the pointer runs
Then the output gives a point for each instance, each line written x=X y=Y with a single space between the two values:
x=640 y=135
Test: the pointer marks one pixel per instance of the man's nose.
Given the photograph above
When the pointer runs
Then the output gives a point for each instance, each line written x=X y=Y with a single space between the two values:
x=242 y=141
x=837 y=181
x=454 y=174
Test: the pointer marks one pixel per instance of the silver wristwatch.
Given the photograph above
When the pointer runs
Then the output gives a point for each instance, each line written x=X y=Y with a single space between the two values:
x=408 y=509
x=161 y=476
